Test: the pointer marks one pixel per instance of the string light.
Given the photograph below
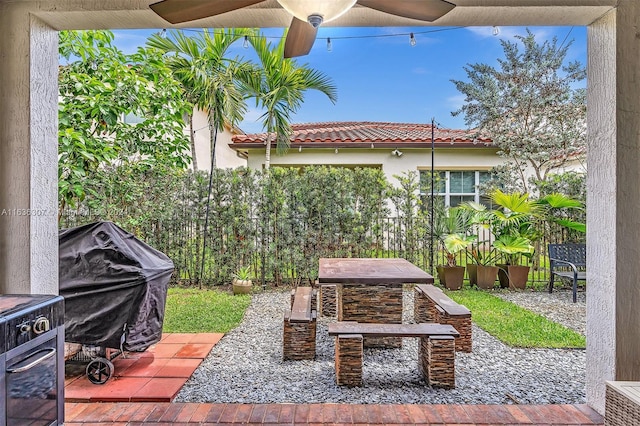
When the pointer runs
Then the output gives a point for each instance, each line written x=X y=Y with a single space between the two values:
x=412 y=40
x=299 y=149
x=329 y=45
x=193 y=30
x=245 y=43
x=336 y=150
x=495 y=31
x=163 y=33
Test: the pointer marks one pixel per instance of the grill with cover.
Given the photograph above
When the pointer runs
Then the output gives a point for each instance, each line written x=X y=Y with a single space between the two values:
x=115 y=289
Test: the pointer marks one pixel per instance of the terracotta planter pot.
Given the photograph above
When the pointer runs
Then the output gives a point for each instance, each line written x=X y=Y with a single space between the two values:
x=242 y=286
x=451 y=276
x=513 y=276
x=440 y=272
x=486 y=276
x=472 y=273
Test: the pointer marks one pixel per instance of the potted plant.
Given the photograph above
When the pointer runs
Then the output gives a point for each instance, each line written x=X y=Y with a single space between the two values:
x=513 y=224
x=482 y=272
x=242 y=283
x=451 y=230
x=451 y=275
x=481 y=269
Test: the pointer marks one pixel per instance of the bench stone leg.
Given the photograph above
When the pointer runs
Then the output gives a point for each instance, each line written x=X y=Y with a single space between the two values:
x=463 y=326
x=437 y=361
x=327 y=300
x=299 y=339
x=421 y=307
x=348 y=361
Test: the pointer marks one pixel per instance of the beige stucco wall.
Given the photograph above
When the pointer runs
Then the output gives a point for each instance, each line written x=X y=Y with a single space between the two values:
x=613 y=197
x=28 y=153
x=225 y=156
x=411 y=159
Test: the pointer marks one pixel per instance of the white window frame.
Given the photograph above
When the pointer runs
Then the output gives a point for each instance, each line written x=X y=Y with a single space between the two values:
x=447 y=194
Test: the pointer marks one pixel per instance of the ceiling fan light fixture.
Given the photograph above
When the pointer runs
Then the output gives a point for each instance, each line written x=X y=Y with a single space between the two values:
x=315 y=20
x=326 y=10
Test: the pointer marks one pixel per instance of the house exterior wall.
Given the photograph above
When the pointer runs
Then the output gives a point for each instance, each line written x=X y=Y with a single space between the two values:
x=225 y=156
x=613 y=199
x=28 y=153
x=411 y=159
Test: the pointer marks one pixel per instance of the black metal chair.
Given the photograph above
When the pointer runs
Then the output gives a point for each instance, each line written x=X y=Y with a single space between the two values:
x=568 y=261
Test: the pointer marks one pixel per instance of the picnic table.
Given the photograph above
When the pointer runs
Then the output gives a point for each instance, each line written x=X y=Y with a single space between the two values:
x=370 y=290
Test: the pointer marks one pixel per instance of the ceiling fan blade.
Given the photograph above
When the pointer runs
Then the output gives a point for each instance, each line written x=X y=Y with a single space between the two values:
x=178 y=11
x=300 y=38
x=423 y=10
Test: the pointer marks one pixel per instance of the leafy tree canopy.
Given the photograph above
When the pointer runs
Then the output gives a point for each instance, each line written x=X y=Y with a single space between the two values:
x=98 y=86
x=530 y=104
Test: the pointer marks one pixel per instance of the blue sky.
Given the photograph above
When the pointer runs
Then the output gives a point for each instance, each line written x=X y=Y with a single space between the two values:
x=381 y=77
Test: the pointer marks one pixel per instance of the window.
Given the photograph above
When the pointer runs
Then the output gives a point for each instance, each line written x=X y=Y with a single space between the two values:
x=456 y=186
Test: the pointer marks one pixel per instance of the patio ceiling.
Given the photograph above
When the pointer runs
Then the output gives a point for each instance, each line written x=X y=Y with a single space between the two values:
x=79 y=14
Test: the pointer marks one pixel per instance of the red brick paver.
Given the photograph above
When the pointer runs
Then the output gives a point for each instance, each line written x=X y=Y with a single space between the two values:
x=156 y=414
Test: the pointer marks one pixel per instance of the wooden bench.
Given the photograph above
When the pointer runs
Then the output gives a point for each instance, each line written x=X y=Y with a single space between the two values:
x=568 y=261
x=299 y=331
x=436 y=355
x=430 y=304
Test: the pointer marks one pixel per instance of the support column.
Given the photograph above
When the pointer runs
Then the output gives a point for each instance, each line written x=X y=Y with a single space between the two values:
x=613 y=200
x=28 y=152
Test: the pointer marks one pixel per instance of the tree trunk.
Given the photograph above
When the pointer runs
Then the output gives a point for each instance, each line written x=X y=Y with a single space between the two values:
x=267 y=155
x=192 y=138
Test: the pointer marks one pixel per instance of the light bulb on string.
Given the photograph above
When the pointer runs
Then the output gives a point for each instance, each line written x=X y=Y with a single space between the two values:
x=245 y=43
x=329 y=45
x=495 y=30
x=412 y=40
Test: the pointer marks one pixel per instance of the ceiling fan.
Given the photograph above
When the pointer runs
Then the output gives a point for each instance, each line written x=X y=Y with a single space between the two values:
x=307 y=14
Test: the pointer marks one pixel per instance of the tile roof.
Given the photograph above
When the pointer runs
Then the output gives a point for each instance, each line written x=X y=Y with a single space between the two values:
x=352 y=133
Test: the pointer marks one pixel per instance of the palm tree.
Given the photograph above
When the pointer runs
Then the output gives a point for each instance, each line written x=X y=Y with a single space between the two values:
x=212 y=82
x=209 y=77
x=279 y=88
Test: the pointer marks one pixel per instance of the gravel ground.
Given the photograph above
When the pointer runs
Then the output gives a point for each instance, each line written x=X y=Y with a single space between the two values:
x=247 y=366
x=557 y=306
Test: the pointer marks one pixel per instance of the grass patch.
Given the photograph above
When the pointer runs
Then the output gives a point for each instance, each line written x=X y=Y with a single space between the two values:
x=203 y=311
x=514 y=325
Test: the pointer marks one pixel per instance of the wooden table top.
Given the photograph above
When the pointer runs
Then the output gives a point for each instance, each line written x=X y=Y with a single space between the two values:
x=393 y=271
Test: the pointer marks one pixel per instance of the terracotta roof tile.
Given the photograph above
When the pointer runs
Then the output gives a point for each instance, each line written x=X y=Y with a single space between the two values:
x=367 y=132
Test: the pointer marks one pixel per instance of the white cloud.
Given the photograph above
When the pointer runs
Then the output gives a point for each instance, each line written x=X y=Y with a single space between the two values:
x=250 y=123
x=509 y=33
x=456 y=101
x=420 y=71
x=129 y=40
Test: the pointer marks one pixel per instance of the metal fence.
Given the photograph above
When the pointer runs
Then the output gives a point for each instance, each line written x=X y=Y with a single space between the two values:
x=282 y=252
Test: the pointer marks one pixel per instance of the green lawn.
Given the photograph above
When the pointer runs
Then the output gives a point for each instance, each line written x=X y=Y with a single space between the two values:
x=203 y=311
x=514 y=325
x=215 y=311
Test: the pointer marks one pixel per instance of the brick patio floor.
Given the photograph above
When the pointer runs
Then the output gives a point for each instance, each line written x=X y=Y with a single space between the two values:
x=138 y=414
x=143 y=386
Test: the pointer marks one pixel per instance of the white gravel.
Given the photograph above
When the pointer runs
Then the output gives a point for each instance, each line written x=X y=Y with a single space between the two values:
x=246 y=366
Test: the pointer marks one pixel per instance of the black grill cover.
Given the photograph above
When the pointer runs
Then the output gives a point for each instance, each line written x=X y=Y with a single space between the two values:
x=112 y=282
